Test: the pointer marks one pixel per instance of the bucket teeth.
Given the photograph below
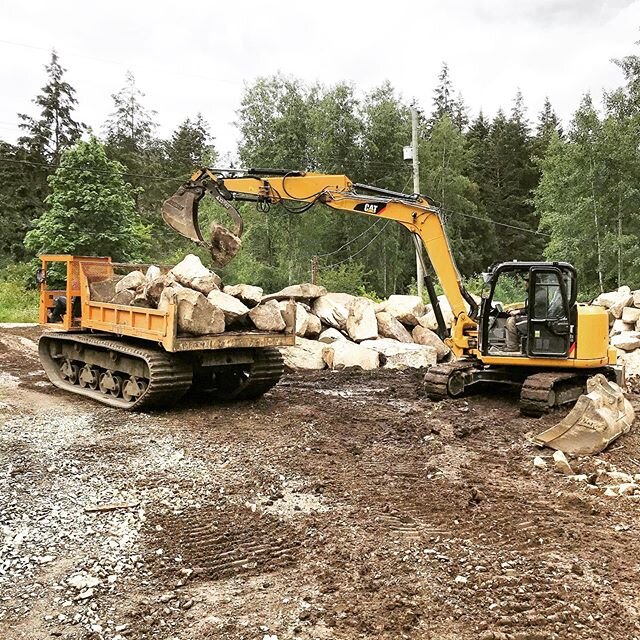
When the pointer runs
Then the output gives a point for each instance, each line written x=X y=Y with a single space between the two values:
x=597 y=419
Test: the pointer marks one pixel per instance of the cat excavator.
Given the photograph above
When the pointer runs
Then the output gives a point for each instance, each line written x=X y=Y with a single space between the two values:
x=552 y=347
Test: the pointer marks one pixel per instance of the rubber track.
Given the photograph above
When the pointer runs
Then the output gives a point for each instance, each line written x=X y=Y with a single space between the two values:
x=170 y=377
x=266 y=371
x=436 y=380
x=534 y=395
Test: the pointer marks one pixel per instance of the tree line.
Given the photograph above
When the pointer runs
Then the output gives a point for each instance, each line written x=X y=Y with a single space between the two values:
x=507 y=187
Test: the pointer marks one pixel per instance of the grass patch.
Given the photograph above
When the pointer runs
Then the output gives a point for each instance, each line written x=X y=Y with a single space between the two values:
x=18 y=303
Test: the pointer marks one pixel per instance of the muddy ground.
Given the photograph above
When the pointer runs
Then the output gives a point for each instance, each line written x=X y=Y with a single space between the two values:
x=341 y=505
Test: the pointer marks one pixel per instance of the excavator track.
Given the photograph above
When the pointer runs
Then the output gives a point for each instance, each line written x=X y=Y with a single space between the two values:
x=440 y=381
x=542 y=392
x=167 y=379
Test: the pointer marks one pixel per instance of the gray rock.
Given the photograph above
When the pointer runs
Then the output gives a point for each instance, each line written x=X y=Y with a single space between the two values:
x=124 y=297
x=427 y=337
x=267 y=317
x=250 y=295
x=389 y=327
x=361 y=321
x=190 y=272
x=302 y=316
x=561 y=464
x=306 y=354
x=403 y=355
x=155 y=288
x=314 y=326
x=196 y=315
x=333 y=309
x=299 y=292
x=405 y=309
x=233 y=309
x=132 y=280
x=343 y=353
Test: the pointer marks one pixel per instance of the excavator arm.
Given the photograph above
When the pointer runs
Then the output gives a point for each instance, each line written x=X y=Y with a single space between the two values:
x=268 y=187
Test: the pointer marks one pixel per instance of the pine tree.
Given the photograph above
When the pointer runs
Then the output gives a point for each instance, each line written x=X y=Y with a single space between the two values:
x=548 y=125
x=90 y=210
x=443 y=101
x=190 y=146
x=54 y=130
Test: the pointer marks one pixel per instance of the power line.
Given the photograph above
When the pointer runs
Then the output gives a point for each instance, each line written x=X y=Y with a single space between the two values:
x=499 y=224
x=353 y=255
x=352 y=240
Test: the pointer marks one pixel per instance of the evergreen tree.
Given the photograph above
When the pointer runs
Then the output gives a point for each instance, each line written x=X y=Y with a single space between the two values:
x=90 y=210
x=54 y=130
x=548 y=125
x=443 y=100
x=190 y=146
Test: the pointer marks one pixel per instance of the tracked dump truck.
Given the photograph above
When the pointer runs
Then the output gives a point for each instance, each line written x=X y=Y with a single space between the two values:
x=134 y=357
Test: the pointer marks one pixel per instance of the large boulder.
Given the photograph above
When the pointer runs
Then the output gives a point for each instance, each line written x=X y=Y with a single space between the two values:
x=306 y=354
x=247 y=293
x=630 y=315
x=615 y=301
x=631 y=361
x=330 y=335
x=361 y=321
x=620 y=325
x=333 y=309
x=267 y=317
x=389 y=327
x=103 y=290
x=302 y=317
x=299 y=292
x=428 y=321
x=132 y=280
x=428 y=338
x=403 y=355
x=152 y=273
x=190 y=272
x=627 y=340
x=314 y=326
x=343 y=353
x=196 y=315
x=405 y=309
x=636 y=298
x=124 y=297
x=154 y=289
x=233 y=309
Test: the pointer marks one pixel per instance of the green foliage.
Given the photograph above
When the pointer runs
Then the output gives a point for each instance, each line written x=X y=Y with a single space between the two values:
x=18 y=301
x=90 y=210
x=347 y=278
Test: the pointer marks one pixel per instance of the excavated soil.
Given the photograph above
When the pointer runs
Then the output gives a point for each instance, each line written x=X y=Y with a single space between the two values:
x=340 y=505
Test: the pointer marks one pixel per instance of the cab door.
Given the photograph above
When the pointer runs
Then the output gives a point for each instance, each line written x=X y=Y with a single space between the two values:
x=549 y=331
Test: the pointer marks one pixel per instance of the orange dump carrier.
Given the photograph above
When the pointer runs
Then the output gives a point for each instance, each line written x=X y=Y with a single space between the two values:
x=133 y=357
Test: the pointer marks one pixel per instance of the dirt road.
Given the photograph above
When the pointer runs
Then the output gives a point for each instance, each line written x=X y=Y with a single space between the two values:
x=340 y=505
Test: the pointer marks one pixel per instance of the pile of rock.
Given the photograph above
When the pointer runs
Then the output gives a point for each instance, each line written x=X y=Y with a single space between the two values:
x=624 y=320
x=205 y=307
x=334 y=330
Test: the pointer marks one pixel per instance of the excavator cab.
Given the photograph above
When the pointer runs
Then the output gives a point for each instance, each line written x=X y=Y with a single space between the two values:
x=541 y=322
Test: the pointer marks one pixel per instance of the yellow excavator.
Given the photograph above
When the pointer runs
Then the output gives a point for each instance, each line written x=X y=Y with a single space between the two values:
x=549 y=348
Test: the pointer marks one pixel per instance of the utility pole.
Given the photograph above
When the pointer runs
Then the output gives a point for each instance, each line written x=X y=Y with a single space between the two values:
x=416 y=189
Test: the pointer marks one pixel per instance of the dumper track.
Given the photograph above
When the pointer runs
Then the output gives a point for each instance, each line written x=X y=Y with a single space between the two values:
x=437 y=381
x=169 y=376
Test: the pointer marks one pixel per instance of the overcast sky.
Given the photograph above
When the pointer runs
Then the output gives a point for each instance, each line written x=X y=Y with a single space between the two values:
x=190 y=57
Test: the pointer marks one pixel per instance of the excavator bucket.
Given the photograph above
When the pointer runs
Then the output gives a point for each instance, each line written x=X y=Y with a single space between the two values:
x=180 y=212
x=597 y=419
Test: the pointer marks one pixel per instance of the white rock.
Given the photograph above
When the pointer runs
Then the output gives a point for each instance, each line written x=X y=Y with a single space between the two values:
x=428 y=321
x=615 y=301
x=330 y=335
x=424 y=336
x=609 y=492
x=631 y=315
x=247 y=293
x=267 y=317
x=302 y=317
x=196 y=315
x=361 y=321
x=233 y=309
x=617 y=477
x=405 y=309
x=306 y=354
x=627 y=340
x=402 y=355
x=132 y=280
x=152 y=273
x=461 y=579
x=636 y=298
x=333 y=309
x=561 y=464
x=343 y=353
x=82 y=581
x=299 y=292
x=539 y=463
x=631 y=361
x=389 y=327
x=628 y=488
x=190 y=272
x=620 y=325
x=314 y=326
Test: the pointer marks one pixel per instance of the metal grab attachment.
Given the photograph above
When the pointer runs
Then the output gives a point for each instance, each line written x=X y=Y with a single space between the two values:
x=180 y=212
x=598 y=418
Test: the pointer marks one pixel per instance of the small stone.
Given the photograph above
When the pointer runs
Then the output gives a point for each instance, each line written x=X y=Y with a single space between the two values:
x=609 y=492
x=628 y=488
x=561 y=464
x=85 y=594
x=166 y=597
x=188 y=604
x=461 y=580
x=539 y=463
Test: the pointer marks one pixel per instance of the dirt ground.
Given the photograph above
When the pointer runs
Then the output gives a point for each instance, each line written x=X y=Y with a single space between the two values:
x=340 y=505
